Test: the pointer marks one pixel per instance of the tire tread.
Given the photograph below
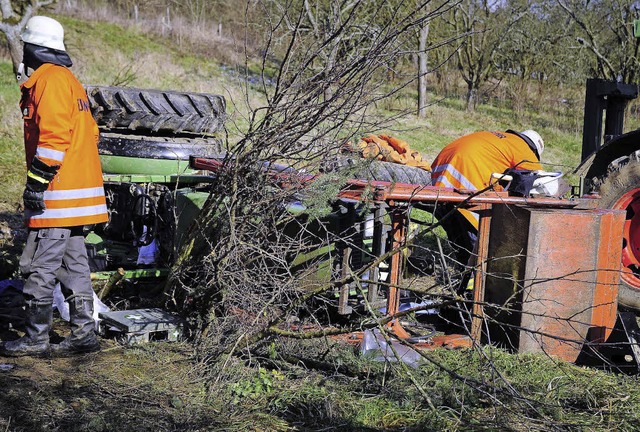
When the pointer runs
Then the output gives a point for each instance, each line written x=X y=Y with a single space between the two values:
x=154 y=111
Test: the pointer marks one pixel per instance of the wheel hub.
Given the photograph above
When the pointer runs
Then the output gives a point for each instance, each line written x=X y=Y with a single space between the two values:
x=630 y=202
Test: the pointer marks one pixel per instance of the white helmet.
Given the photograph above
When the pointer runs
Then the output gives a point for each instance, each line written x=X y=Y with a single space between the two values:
x=536 y=138
x=44 y=31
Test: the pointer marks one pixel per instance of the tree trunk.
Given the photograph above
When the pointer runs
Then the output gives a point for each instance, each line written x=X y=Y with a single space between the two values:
x=12 y=28
x=6 y=10
x=15 y=47
x=331 y=62
x=472 y=96
x=422 y=71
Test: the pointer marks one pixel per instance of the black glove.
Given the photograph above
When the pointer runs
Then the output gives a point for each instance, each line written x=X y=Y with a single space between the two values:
x=33 y=200
x=38 y=178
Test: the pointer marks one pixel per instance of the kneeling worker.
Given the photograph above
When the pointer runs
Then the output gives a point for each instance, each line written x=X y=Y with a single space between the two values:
x=468 y=163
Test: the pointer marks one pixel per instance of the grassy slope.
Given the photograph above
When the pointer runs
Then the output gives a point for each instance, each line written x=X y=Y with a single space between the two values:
x=134 y=58
x=159 y=387
x=12 y=165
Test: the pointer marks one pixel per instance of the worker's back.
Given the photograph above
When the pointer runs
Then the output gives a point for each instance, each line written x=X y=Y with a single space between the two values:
x=468 y=162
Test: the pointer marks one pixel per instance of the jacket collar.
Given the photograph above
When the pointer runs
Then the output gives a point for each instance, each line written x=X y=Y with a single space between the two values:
x=36 y=74
x=526 y=139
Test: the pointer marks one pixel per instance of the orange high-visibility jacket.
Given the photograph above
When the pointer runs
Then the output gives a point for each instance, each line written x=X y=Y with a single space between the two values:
x=59 y=129
x=468 y=162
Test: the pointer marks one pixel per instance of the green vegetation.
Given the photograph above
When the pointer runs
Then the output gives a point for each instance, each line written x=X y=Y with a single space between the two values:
x=11 y=150
x=137 y=57
x=159 y=387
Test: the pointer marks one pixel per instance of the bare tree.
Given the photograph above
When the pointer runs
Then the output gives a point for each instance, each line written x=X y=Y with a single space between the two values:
x=483 y=26
x=15 y=15
x=533 y=56
x=605 y=30
x=274 y=250
x=246 y=247
x=422 y=70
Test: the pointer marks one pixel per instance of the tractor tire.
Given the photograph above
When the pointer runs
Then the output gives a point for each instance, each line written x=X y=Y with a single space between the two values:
x=157 y=112
x=159 y=147
x=380 y=171
x=620 y=189
x=131 y=154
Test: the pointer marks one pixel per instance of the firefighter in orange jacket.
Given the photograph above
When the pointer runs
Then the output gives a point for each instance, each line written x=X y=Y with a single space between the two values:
x=63 y=193
x=468 y=163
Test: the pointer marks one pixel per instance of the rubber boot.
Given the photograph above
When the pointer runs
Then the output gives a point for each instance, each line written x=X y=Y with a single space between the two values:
x=36 y=340
x=83 y=338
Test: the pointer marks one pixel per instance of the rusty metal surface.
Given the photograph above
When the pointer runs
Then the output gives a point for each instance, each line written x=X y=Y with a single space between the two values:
x=401 y=193
x=556 y=272
x=552 y=265
x=608 y=277
x=398 y=228
x=451 y=341
x=480 y=271
x=411 y=193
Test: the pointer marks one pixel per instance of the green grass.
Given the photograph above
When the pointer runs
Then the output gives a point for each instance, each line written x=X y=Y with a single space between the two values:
x=12 y=162
x=529 y=391
x=12 y=180
x=447 y=120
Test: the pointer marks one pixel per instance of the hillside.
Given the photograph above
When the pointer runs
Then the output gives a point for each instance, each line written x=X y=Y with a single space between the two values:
x=129 y=54
x=290 y=385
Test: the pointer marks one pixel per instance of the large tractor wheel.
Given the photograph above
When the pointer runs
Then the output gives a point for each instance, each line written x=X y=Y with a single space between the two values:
x=155 y=111
x=159 y=147
x=131 y=154
x=621 y=190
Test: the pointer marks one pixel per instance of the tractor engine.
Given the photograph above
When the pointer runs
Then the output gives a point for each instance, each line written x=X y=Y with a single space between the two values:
x=140 y=229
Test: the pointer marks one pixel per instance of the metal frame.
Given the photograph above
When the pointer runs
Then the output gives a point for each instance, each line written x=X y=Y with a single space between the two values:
x=398 y=197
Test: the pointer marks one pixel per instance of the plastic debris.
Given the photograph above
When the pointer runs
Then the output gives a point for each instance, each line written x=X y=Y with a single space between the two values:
x=376 y=346
x=63 y=307
x=147 y=255
x=14 y=285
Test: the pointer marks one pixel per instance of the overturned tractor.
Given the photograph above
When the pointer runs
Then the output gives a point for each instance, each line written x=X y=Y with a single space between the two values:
x=547 y=271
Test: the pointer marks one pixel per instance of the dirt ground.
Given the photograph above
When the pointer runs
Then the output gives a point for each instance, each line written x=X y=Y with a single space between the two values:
x=157 y=386
x=119 y=388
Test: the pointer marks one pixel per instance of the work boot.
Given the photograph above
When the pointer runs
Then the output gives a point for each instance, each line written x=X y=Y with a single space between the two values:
x=83 y=338
x=36 y=340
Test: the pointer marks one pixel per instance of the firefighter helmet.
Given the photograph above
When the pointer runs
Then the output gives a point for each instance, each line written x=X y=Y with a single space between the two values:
x=44 y=31
x=536 y=138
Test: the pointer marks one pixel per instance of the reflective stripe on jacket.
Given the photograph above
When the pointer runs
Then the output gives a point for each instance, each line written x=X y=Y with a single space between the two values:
x=59 y=129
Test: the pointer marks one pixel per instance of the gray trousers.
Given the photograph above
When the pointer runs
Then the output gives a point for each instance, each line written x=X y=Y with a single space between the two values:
x=55 y=254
